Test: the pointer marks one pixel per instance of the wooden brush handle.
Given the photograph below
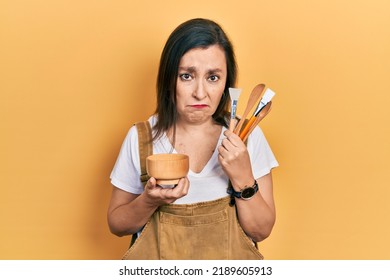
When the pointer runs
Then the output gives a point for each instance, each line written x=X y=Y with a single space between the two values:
x=232 y=124
x=245 y=131
x=257 y=120
x=252 y=101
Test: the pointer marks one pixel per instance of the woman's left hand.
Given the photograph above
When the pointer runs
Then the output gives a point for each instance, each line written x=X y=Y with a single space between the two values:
x=234 y=159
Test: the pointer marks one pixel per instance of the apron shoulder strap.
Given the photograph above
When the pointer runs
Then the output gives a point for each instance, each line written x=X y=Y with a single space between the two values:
x=145 y=145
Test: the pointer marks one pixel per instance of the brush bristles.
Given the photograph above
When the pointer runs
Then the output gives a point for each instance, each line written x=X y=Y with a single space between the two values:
x=234 y=93
x=268 y=95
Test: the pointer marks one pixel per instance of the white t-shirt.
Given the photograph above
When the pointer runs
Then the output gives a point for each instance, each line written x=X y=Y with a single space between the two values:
x=211 y=183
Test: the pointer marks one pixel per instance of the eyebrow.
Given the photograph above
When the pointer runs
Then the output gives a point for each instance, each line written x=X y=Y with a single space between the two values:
x=192 y=69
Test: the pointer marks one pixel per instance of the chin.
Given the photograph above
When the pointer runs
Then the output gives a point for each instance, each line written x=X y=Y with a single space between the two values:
x=198 y=117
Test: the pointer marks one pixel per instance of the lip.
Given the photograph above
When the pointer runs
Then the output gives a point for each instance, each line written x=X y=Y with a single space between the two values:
x=199 y=106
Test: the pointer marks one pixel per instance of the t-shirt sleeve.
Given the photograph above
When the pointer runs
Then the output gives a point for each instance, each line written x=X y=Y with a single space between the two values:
x=126 y=172
x=262 y=158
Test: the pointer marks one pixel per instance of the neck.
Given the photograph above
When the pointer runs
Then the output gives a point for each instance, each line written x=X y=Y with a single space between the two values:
x=192 y=129
x=195 y=126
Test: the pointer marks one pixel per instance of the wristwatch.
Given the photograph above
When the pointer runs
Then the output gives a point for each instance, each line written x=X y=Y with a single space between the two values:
x=246 y=193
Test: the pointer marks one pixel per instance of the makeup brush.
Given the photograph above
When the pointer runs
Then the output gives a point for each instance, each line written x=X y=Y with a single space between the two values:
x=264 y=111
x=268 y=95
x=253 y=99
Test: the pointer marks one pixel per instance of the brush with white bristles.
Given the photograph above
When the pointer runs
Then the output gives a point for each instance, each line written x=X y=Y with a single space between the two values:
x=234 y=95
x=268 y=95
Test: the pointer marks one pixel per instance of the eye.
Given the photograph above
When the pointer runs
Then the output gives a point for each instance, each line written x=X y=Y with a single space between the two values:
x=213 y=78
x=185 y=77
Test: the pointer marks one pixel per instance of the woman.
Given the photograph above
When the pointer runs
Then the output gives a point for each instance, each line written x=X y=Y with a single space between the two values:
x=194 y=220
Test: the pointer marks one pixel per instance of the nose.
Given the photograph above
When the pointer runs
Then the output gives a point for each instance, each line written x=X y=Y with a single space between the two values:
x=200 y=90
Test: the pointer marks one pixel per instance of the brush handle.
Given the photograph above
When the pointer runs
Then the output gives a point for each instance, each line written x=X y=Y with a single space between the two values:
x=264 y=112
x=245 y=131
x=232 y=124
x=253 y=98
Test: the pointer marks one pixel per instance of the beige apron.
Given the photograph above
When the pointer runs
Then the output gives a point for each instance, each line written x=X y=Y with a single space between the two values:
x=198 y=231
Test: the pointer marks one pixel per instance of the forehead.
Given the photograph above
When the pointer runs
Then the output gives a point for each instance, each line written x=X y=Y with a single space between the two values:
x=210 y=57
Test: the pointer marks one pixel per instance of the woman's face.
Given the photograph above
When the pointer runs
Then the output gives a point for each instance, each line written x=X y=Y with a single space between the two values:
x=200 y=83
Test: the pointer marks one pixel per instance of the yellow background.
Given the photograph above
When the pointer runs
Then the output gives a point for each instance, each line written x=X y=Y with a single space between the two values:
x=75 y=75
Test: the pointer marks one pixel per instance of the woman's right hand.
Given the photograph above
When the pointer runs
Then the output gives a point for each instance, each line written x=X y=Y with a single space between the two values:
x=128 y=213
x=157 y=195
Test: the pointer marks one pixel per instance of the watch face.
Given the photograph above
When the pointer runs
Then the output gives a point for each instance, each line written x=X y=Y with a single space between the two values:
x=248 y=192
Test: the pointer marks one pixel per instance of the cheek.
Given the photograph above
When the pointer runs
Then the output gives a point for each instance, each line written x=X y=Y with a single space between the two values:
x=219 y=93
x=215 y=100
x=181 y=95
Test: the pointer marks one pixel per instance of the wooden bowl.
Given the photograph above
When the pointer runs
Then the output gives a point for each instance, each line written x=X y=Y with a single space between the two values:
x=167 y=169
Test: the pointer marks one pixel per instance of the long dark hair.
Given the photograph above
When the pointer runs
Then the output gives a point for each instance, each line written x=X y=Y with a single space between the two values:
x=194 y=33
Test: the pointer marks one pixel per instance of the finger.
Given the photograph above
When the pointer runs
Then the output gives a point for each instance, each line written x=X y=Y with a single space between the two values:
x=233 y=138
x=182 y=187
x=186 y=184
x=151 y=183
x=222 y=151
x=221 y=158
x=226 y=157
x=227 y=144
